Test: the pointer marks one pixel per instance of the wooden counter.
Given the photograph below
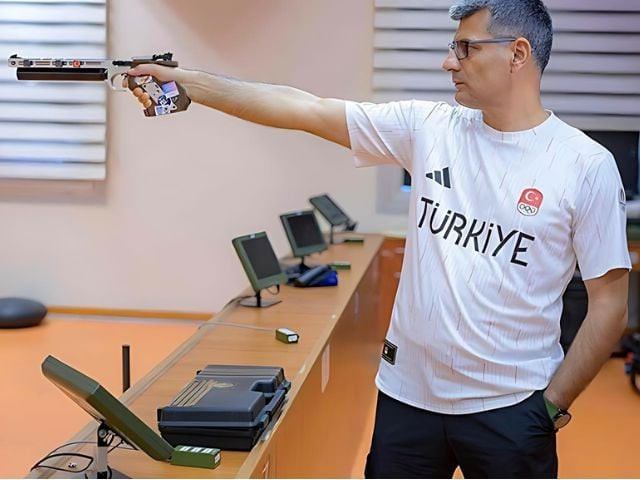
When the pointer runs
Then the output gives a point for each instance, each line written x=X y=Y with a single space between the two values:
x=331 y=369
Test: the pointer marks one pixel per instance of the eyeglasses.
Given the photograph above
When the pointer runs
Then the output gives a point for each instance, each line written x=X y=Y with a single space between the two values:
x=461 y=47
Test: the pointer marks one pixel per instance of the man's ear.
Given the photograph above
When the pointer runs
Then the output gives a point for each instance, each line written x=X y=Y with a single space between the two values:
x=521 y=54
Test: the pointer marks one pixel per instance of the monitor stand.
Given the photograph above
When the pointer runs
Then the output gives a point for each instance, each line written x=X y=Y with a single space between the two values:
x=331 y=240
x=294 y=271
x=349 y=227
x=101 y=469
x=258 y=302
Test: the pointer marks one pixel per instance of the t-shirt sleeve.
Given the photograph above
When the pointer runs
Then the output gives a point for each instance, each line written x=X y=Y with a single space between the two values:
x=383 y=133
x=600 y=224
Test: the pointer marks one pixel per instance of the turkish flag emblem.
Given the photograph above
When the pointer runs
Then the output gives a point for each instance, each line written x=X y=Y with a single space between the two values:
x=530 y=202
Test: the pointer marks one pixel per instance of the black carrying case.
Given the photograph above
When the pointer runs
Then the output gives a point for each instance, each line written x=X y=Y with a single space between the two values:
x=224 y=406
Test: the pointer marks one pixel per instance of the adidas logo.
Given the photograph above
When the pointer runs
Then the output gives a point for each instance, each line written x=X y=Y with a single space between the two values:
x=441 y=177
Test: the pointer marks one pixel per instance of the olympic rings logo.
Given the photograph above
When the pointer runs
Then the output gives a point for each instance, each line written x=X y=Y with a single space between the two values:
x=527 y=209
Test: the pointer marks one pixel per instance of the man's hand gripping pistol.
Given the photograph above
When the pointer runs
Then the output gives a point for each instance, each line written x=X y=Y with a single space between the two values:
x=167 y=98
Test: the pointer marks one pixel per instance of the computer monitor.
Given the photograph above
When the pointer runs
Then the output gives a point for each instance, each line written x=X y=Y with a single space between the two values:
x=106 y=409
x=333 y=214
x=260 y=264
x=303 y=232
x=624 y=146
x=330 y=210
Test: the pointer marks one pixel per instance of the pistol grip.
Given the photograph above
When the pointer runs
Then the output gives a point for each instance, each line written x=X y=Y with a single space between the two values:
x=169 y=97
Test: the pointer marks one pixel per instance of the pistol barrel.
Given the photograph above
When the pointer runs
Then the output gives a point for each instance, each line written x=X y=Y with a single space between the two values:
x=62 y=74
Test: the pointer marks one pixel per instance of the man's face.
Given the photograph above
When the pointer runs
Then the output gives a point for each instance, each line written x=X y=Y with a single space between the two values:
x=483 y=77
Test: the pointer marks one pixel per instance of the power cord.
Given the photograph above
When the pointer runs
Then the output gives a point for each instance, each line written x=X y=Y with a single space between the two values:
x=123 y=447
x=277 y=290
x=243 y=297
x=235 y=299
x=240 y=325
x=53 y=454
x=68 y=470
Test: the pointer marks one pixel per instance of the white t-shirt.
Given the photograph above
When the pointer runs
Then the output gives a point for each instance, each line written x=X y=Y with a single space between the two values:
x=496 y=223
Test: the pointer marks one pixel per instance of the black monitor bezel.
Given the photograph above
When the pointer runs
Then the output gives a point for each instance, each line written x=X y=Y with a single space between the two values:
x=256 y=283
x=297 y=250
x=325 y=215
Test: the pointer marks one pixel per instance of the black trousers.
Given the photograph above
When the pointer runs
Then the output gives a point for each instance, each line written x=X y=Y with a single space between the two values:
x=512 y=442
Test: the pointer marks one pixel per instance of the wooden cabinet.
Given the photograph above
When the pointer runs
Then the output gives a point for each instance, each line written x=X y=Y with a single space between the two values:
x=322 y=430
x=634 y=254
x=331 y=368
x=265 y=468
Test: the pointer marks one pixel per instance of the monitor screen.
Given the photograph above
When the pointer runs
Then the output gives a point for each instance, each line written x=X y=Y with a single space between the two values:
x=329 y=210
x=406 y=180
x=259 y=261
x=624 y=147
x=262 y=257
x=303 y=233
x=103 y=406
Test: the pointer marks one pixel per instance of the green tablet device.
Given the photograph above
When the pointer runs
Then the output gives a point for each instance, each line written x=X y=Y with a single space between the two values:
x=114 y=417
x=105 y=408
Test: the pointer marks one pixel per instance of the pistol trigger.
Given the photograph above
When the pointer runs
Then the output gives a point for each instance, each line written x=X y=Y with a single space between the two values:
x=116 y=81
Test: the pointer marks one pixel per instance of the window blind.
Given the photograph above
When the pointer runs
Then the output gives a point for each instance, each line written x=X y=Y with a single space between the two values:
x=52 y=130
x=591 y=82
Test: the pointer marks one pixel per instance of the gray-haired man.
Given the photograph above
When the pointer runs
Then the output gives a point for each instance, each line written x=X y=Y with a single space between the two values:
x=505 y=199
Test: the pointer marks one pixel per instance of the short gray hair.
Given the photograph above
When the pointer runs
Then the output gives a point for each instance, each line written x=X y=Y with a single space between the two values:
x=514 y=18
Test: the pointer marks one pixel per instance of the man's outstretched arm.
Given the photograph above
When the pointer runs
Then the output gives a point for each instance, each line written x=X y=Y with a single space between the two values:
x=276 y=106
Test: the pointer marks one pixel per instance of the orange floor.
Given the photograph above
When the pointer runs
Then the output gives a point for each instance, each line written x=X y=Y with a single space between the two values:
x=602 y=440
x=35 y=417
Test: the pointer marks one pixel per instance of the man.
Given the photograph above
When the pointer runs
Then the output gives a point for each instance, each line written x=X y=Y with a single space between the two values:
x=505 y=199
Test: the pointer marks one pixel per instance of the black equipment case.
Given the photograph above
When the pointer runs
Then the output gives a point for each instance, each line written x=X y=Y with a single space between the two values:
x=224 y=406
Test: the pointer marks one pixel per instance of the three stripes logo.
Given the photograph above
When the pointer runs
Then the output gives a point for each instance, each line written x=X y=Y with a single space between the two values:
x=441 y=177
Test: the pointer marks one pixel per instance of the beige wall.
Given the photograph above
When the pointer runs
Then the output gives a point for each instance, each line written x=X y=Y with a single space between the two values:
x=157 y=234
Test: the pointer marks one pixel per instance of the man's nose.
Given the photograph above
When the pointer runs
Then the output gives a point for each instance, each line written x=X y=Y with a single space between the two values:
x=451 y=63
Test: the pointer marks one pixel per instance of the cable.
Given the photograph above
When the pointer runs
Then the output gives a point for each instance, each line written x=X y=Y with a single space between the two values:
x=243 y=297
x=54 y=455
x=67 y=445
x=277 y=290
x=240 y=325
x=235 y=299
x=116 y=446
x=127 y=447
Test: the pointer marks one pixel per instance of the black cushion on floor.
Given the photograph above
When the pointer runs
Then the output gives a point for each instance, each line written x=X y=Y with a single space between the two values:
x=20 y=312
